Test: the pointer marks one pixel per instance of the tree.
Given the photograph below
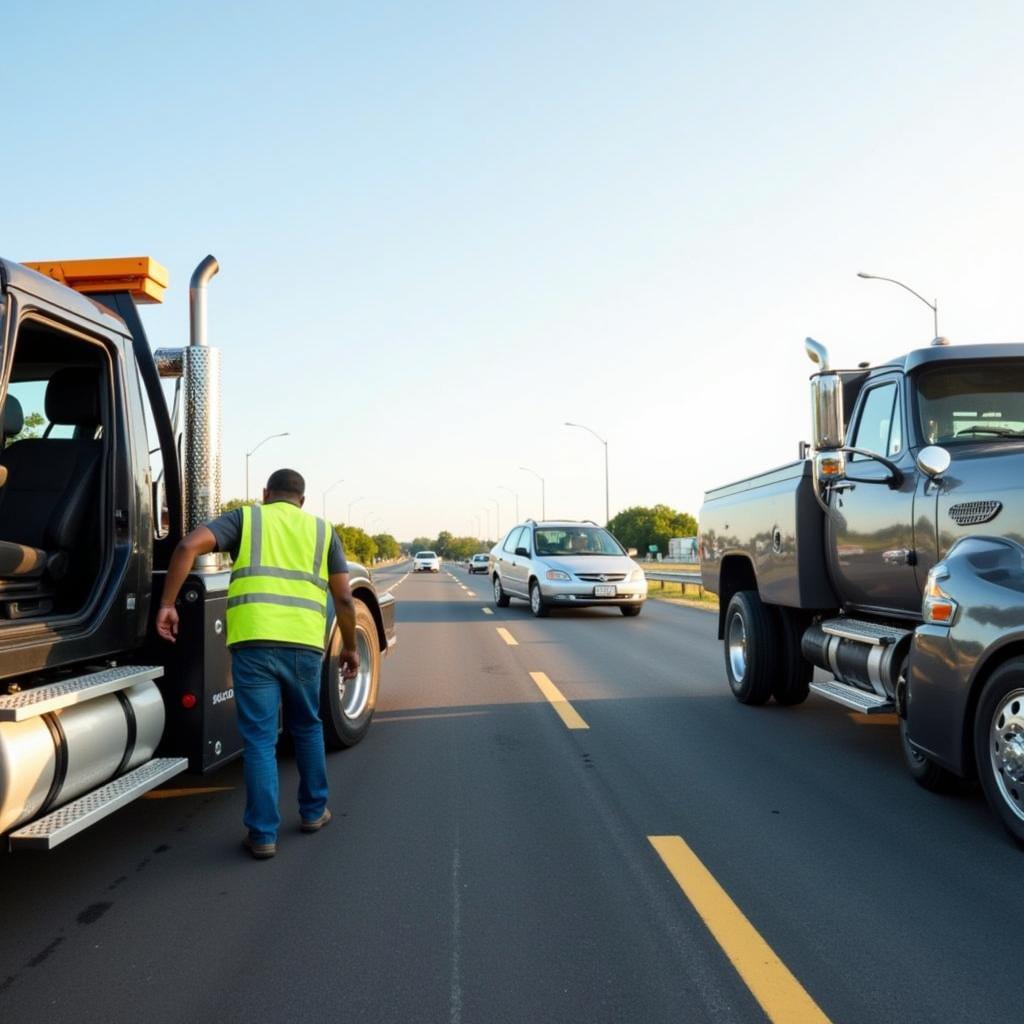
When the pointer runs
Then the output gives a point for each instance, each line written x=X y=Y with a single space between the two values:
x=640 y=526
x=387 y=546
x=32 y=427
x=358 y=544
x=443 y=544
x=421 y=544
x=464 y=547
x=233 y=503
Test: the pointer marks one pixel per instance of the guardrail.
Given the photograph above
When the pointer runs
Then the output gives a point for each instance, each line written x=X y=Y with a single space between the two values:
x=694 y=579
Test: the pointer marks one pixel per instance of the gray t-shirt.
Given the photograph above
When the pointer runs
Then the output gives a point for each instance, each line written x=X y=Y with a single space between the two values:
x=227 y=529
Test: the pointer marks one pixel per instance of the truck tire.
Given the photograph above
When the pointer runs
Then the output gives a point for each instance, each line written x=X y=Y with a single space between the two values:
x=500 y=597
x=751 y=649
x=999 y=745
x=790 y=684
x=347 y=705
x=924 y=771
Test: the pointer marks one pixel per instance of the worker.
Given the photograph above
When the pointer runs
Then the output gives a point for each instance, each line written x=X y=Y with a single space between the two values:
x=285 y=563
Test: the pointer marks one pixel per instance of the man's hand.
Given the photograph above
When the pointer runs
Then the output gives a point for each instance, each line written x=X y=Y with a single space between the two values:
x=349 y=660
x=167 y=624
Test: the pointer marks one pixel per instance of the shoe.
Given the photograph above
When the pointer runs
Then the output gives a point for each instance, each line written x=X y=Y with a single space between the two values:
x=318 y=823
x=261 y=851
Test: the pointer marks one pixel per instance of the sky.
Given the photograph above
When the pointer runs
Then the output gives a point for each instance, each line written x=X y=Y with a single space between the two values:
x=446 y=229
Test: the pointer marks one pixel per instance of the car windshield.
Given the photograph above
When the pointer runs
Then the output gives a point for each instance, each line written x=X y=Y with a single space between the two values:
x=479 y=558
x=964 y=402
x=575 y=540
x=425 y=554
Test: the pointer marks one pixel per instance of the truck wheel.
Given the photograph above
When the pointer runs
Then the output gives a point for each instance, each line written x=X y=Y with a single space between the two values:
x=500 y=597
x=538 y=605
x=347 y=705
x=999 y=744
x=751 y=651
x=925 y=772
x=790 y=684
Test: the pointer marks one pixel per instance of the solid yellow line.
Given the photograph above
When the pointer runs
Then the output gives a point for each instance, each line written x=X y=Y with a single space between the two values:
x=487 y=611
x=566 y=712
x=171 y=794
x=783 y=999
x=507 y=636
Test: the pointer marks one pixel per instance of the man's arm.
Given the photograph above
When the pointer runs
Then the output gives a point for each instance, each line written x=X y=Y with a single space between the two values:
x=345 y=610
x=200 y=541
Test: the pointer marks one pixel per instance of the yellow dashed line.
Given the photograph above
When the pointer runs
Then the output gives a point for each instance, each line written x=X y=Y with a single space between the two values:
x=781 y=996
x=507 y=636
x=566 y=712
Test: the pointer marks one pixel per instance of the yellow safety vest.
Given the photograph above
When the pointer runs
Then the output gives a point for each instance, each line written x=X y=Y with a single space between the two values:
x=278 y=590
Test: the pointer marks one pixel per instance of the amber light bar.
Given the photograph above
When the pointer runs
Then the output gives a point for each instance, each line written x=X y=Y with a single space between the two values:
x=141 y=276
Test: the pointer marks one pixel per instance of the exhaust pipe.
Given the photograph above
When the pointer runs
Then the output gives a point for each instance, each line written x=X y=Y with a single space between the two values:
x=197 y=300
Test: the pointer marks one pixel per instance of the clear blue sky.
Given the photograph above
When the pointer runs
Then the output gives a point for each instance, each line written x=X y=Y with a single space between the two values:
x=446 y=228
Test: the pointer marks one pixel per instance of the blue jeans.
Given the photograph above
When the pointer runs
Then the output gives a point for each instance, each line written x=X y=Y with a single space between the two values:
x=263 y=678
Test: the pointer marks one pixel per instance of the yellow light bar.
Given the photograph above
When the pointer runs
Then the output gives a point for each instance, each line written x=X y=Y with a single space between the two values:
x=141 y=276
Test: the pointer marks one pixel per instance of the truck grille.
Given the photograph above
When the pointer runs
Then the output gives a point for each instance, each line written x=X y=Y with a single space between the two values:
x=971 y=513
x=601 y=577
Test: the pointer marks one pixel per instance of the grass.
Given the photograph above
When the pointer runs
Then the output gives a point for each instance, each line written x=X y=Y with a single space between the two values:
x=675 y=593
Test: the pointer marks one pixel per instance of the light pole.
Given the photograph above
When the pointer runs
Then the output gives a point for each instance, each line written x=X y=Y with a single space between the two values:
x=497 y=518
x=607 y=504
x=514 y=494
x=354 y=501
x=251 y=452
x=543 y=509
x=324 y=496
x=933 y=306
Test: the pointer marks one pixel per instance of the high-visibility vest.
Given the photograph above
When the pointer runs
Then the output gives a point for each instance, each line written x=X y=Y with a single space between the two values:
x=278 y=590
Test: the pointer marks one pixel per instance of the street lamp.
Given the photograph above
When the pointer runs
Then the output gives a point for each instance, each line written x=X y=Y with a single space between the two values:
x=251 y=452
x=354 y=501
x=607 y=504
x=514 y=495
x=324 y=496
x=543 y=509
x=933 y=306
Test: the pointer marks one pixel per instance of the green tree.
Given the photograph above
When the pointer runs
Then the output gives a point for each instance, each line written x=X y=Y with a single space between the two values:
x=421 y=544
x=233 y=503
x=443 y=544
x=358 y=544
x=32 y=427
x=641 y=526
x=387 y=546
x=464 y=547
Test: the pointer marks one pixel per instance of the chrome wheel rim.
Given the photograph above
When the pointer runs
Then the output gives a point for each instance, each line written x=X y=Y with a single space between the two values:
x=1006 y=750
x=738 y=648
x=497 y=589
x=535 y=599
x=354 y=694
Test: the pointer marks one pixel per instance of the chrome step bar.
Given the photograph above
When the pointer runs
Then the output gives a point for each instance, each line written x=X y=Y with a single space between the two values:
x=47 y=832
x=873 y=633
x=16 y=707
x=851 y=697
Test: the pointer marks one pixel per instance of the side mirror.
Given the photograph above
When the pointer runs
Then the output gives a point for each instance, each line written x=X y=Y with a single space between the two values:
x=933 y=461
x=827 y=411
x=523 y=552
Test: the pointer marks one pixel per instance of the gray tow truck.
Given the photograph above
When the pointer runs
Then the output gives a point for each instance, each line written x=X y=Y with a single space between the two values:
x=891 y=556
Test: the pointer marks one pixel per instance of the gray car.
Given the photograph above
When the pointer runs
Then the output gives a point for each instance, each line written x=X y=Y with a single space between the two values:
x=563 y=564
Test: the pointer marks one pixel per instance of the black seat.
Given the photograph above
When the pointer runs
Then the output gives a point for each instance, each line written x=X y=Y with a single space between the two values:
x=51 y=483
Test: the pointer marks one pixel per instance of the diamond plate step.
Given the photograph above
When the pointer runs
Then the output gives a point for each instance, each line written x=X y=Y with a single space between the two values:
x=47 y=832
x=15 y=707
x=873 y=633
x=851 y=697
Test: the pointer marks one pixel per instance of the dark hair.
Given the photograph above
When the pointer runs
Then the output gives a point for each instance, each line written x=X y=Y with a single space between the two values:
x=286 y=481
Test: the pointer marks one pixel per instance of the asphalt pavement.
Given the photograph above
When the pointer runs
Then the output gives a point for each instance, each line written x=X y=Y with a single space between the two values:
x=563 y=820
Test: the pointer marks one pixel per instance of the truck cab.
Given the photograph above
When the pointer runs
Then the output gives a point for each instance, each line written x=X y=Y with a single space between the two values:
x=891 y=557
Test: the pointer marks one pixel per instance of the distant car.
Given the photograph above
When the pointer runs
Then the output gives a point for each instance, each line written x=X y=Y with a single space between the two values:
x=564 y=564
x=426 y=561
x=479 y=563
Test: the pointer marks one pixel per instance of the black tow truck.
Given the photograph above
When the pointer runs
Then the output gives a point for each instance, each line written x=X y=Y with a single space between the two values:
x=891 y=556
x=100 y=476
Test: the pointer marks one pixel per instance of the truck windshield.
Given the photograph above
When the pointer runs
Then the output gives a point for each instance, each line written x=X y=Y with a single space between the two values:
x=965 y=402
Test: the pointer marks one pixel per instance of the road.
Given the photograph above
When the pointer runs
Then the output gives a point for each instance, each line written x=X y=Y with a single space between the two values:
x=487 y=863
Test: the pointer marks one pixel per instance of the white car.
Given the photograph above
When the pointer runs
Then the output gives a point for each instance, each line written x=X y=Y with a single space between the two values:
x=479 y=563
x=426 y=561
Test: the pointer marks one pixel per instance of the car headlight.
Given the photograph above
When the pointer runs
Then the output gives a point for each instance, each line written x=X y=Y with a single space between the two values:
x=937 y=607
x=557 y=574
x=636 y=575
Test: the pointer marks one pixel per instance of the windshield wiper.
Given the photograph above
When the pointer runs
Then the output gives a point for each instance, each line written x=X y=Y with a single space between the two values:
x=998 y=431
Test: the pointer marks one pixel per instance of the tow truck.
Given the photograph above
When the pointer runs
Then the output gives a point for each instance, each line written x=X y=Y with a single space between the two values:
x=101 y=474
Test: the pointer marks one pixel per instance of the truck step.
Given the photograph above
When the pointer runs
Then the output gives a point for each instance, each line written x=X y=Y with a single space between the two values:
x=51 y=830
x=864 y=632
x=851 y=697
x=15 y=707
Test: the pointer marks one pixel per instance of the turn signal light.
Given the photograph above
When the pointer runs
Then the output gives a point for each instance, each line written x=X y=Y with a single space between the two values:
x=938 y=608
x=188 y=701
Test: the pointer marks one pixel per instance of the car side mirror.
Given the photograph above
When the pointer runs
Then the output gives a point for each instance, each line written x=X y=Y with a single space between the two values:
x=523 y=552
x=933 y=461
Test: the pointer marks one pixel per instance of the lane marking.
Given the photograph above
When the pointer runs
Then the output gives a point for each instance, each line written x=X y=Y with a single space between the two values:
x=566 y=712
x=507 y=636
x=487 y=611
x=470 y=593
x=173 y=794
x=861 y=719
x=781 y=996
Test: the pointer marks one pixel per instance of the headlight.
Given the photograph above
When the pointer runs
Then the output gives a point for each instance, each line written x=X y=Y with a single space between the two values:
x=557 y=574
x=938 y=608
x=636 y=575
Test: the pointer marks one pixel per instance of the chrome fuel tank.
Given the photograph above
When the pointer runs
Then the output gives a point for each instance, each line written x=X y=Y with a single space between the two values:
x=49 y=760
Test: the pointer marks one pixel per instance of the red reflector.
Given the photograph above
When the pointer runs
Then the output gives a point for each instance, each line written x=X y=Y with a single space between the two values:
x=188 y=701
